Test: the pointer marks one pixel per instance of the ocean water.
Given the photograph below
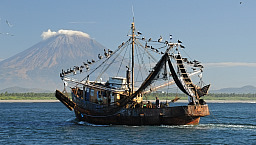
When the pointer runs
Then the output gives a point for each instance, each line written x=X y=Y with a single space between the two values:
x=53 y=123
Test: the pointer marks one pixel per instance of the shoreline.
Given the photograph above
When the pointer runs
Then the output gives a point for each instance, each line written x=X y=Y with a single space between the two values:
x=28 y=101
x=180 y=101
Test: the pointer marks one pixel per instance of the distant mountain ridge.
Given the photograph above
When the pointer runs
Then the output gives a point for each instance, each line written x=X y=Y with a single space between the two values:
x=24 y=90
x=242 y=90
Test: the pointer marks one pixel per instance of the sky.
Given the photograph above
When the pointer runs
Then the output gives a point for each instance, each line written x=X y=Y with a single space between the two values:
x=220 y=34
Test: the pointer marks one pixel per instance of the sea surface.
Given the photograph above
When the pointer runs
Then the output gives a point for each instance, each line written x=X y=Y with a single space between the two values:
x=53 y=123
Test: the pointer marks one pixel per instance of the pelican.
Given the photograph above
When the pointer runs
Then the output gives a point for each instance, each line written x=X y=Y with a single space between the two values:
x=110 y=51
x=196 y=61
x=170 y=37
x=160 y=39
x=85 y=64
x=76 y=67
x=99 y=56
x=185 y=59
x=146 y=45
x=105 y=53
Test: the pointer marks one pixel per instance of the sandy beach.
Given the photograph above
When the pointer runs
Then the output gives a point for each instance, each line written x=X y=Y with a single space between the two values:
x=180 y=101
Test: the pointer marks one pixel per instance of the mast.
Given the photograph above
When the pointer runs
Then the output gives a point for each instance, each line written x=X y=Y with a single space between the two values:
x=133 y=41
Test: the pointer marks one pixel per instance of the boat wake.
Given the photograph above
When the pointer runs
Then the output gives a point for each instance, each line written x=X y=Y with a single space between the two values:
x=89 y=124
x=216 y=126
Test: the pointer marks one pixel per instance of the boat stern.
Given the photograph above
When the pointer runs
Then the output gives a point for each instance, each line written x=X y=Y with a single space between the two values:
x=198 y=110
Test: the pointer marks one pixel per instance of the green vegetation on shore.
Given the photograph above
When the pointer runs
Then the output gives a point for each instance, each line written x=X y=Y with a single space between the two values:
x=161 y=96
x=27 y=96
x=221 y=96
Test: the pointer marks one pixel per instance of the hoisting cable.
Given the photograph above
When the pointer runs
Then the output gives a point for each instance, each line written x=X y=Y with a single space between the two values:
x=121 y=61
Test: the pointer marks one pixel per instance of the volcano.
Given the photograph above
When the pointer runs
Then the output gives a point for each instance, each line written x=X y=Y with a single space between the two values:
x=39 y=66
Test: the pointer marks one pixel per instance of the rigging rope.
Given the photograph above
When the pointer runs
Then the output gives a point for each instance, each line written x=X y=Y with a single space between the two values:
x=146 y=50
x=109 y=65
x=121 y=62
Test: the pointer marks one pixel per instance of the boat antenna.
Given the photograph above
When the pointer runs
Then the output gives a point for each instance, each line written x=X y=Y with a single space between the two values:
x=132 y=14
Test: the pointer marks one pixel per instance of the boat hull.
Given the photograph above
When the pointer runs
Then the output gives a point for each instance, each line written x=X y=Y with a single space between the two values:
x=180 y=115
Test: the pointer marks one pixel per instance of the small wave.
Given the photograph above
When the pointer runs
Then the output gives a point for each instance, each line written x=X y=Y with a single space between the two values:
x=71 y=119
x=90 y=124
x=215 y=126
x=233 y=126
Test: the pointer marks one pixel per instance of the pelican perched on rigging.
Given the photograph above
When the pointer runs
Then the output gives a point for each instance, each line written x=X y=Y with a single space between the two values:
x=99 y=56
x=110 y=51
x=105 y=53
x=160 y=39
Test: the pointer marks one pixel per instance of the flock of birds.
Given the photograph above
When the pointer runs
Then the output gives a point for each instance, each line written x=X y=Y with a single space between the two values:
x=195 y=64
x=159 y=40
x=107 y=53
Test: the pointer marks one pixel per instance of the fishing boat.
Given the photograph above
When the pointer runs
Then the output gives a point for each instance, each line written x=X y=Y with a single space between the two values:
x=114 y=87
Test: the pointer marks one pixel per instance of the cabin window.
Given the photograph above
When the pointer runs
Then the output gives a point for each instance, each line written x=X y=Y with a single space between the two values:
x=98 y=94
x=99 y=97
x=92 y=92
x=104 y=93
x=112 y=98
x=87 y=94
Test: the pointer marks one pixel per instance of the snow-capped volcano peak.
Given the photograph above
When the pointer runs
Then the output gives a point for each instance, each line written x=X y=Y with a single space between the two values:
x=39 y=66
x=49 y=33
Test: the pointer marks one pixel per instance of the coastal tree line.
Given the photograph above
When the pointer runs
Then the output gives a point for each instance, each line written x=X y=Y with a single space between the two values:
x=27 y=96
x=211 y=96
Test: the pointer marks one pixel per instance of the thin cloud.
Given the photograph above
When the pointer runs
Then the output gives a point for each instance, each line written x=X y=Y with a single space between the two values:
x=231 y=64
x=92 y=22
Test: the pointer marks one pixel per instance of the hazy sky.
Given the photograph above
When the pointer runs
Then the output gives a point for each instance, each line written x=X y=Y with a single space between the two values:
x=219 y=33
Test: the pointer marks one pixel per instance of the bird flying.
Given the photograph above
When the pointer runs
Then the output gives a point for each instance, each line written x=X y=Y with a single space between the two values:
x=8 y=23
